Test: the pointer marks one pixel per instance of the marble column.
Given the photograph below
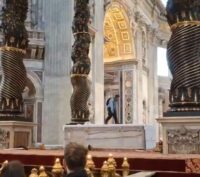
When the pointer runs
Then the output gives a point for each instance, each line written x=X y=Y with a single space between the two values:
x=153 y=86
x=139 y=72
x=98 y=64
x=56 y=112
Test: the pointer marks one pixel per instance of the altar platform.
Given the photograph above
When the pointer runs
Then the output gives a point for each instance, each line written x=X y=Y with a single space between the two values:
x=164 y=165
x=117 y=136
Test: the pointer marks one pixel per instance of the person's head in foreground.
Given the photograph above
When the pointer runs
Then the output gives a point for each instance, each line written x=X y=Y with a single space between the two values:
x=13 y=169
x=74 y=157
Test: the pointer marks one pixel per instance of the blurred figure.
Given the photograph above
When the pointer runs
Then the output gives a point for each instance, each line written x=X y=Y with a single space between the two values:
x=91 y=116
x=75 y=160
x=13 y=169
x=111 y=108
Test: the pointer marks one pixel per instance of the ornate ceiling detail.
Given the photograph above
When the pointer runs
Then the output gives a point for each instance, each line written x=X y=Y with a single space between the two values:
x=118 y=42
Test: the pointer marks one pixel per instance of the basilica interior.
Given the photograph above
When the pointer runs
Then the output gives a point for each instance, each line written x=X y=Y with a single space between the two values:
x=66 y=60
x=125 y=38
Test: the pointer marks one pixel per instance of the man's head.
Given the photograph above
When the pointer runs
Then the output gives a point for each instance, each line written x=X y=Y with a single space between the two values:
x=13 y=169
x=116 y=97
x=75 y=156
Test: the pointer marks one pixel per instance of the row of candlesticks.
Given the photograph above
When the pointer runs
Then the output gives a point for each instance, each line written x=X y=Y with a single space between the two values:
x=108 y=168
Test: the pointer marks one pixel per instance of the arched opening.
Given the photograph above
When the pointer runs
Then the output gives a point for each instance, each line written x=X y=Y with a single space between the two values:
x=118 y=51
x=29 y=100
x=33 y=99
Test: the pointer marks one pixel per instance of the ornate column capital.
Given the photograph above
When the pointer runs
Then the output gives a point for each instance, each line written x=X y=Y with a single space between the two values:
x=152 y=34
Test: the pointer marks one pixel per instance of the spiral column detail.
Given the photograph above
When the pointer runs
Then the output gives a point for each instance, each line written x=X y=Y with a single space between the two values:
x=81 y=63
x=12 y=53
x=183 y=53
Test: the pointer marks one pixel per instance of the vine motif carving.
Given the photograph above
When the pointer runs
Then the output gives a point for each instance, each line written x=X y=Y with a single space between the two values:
x=4 y=139
x=183 y=140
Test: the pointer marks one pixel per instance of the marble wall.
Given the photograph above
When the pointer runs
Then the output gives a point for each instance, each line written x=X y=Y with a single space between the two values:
x=98 y=63
x=56 y=108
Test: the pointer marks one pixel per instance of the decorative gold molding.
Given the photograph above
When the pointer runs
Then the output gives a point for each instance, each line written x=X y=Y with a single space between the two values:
x=7 y=48
x=185 y=23
x=120 y=63
x=117 y=34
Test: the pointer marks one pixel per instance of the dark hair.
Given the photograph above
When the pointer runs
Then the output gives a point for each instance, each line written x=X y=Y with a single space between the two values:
x=75 y=156
x=13 y=169
x=116 y=96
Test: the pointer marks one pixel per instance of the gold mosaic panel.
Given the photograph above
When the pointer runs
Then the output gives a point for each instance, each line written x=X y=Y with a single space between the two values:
x=118 y=16
x=117 y=32
x=122 y=25
x=125 y=36
x=127 y=48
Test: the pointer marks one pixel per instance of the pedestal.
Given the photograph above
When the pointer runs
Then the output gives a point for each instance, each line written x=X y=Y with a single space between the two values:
x=181 y=135
x=14 y=134
x=111 y=136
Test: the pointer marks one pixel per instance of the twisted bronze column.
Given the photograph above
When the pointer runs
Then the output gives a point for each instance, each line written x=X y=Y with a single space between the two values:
x=81 y=63
x=12 y=52
x=183 y=54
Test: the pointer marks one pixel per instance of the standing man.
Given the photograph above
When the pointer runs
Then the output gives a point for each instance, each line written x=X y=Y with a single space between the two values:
x=111 y=108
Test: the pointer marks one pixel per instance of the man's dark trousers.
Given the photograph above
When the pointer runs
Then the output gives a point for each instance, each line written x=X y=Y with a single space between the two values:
x=110 y=115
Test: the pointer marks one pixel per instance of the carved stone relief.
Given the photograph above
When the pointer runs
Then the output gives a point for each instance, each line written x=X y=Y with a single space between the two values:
x=128 y=98
x=183 y=141
x=152 y=35
x=144 y=47
x=4 y=139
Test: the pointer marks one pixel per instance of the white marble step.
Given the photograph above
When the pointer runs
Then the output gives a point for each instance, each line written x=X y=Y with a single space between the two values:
x=143 y=174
